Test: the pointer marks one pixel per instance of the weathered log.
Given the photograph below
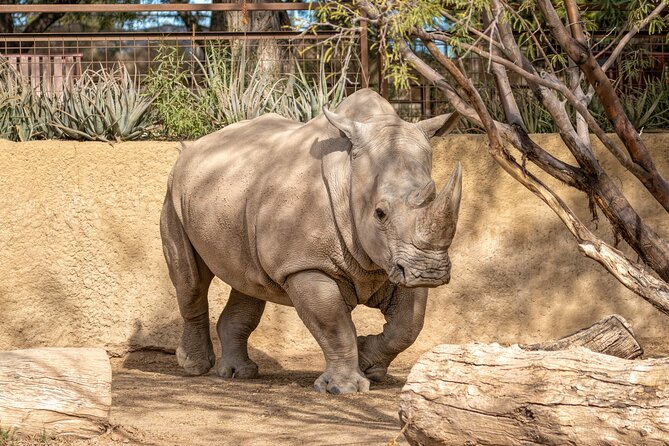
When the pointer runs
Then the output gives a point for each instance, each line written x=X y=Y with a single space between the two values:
x=490 y=395
x=612 y=335
x=59 y=391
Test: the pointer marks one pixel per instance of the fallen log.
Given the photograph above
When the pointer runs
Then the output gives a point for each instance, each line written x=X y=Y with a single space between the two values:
x=612 y=335
x=58 y=391
x=491 y=395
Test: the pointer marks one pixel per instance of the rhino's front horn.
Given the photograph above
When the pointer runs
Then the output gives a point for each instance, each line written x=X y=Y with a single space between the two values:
x=437 y=222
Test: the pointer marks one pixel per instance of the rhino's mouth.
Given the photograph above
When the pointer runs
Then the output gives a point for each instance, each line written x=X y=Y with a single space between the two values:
x=402 y=274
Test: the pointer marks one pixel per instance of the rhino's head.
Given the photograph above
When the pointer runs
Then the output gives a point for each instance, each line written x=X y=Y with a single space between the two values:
x=401 y=222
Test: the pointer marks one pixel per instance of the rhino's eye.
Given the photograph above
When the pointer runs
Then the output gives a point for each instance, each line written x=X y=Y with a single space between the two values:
x=380 y=214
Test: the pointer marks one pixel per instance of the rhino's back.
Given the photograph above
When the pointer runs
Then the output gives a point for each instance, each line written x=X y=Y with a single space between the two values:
x=252 y=201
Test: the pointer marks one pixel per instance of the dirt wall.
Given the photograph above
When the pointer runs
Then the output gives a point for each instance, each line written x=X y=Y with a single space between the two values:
x=81 y=261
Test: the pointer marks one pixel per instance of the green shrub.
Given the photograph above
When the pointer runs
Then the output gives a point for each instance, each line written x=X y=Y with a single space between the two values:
x=227 y=90
x=177 y=108
x=100 y=105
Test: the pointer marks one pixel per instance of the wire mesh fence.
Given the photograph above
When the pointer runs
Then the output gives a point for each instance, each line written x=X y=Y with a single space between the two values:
x=49 y=61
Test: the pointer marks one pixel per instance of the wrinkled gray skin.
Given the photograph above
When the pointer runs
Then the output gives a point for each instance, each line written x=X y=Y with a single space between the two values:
x=322 y=216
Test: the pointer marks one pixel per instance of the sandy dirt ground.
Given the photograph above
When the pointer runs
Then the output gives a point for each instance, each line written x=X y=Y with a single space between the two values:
x=154 y=403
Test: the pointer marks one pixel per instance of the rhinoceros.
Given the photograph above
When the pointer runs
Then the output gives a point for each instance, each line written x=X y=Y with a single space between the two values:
x=321 y=216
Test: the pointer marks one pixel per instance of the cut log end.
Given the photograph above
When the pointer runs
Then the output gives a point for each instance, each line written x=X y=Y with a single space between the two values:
x=57 y=391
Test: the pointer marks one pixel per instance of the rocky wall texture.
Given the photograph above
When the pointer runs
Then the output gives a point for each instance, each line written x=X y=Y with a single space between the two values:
x=81 y=262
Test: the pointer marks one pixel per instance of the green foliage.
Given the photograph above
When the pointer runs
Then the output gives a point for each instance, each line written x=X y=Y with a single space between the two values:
x=225 y=89
x=100 y=105
x=176 y=107
x=633 y=62
x=399 y=19
x=646 y=107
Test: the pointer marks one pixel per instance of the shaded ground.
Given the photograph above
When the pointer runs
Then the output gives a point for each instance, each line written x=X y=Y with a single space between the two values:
x=153 y=403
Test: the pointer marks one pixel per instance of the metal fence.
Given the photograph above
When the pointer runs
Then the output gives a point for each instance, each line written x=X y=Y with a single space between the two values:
x=49 y=59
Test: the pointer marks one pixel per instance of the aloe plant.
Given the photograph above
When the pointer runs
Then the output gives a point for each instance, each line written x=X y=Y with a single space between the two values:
x=100 y=105
x=306 y=95
x=103 y=105
x=232 y=92
x=23 y=113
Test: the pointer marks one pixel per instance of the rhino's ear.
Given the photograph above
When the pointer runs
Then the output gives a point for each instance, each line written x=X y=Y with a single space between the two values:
x=347 y=126
x=439 y=125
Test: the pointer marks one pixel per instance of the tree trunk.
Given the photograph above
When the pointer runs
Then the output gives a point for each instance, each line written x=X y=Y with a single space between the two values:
x=6 y=20
x=60 y=391
x=481 y=394
x=612 y=336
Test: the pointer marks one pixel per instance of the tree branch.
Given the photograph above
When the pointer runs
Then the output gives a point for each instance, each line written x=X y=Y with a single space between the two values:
x=647 y=172
x=564 y=172
x=574 y=17
x=548 y=80
x=629 y=273
x=635 y=29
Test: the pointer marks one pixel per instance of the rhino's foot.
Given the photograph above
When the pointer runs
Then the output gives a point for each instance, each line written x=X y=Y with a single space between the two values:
x=376 y=372
x=194 y=365
x=336 y=383
x=372 y=363
x=241 y=369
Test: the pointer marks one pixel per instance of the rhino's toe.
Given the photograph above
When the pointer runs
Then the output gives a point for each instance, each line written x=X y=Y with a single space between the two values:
x=341 y=383
x=241 y=370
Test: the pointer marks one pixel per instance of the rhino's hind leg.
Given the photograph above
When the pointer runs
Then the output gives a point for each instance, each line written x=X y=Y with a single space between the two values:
x=191 y=279
x=404 y=311
x=321 y=307
x=239 y=318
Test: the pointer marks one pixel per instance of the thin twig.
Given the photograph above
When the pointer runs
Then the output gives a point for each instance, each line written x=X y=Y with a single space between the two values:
x=635 y=29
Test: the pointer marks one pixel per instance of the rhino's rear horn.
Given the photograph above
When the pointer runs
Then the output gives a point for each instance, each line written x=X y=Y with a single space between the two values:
x=437 y=222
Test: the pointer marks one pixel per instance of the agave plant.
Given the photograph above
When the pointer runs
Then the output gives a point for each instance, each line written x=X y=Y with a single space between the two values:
x=103 y=105
x=305 y=96
x=23 y=112
x=232 y=92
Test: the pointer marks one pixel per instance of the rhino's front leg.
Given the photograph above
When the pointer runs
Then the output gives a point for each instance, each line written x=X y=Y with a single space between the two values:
x=321 y=307
x=404 y=311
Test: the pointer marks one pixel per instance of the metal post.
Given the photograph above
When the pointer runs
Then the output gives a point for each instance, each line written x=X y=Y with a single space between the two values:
x=364 y=53
x=383 y=82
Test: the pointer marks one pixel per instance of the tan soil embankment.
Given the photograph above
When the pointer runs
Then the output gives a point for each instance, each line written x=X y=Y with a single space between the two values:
x=82 y=264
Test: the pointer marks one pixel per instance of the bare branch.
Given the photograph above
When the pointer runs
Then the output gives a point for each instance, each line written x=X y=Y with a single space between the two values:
x=629 y=273
x=516 y=136
x=632 y=32
x=574 y=17
x=504 y=91
x=644 y=169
